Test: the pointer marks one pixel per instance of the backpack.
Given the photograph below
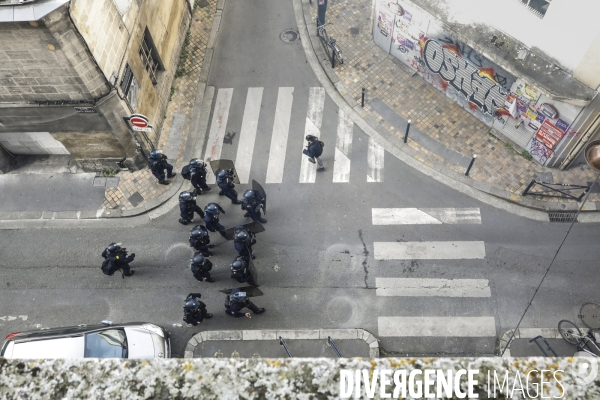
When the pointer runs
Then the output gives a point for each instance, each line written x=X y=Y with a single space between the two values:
x=107 y=267
x=186 y=172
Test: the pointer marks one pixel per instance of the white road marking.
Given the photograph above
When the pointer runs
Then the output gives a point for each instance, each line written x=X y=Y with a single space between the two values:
x=314 y=118
x=429 y=250
x=375 y=156
x=425 y=287
x=11 y=318
x=436 y=326
x=214 y=144
x=281 y=128
x=243 y=161
x=415 y=216
x=343 y=146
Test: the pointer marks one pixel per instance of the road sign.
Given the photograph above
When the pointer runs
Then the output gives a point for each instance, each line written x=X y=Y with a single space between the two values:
x=140 y=122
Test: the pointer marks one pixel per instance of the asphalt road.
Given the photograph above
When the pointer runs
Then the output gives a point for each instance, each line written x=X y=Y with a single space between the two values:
x=316 y=259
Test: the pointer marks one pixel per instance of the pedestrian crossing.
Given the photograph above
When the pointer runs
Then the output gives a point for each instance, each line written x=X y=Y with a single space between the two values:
x=285 y=136
x=436 y=290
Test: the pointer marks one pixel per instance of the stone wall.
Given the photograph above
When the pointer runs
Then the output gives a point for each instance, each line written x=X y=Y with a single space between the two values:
x=34 y=66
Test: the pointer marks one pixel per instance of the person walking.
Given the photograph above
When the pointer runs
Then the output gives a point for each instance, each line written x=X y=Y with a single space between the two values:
x=313 y=150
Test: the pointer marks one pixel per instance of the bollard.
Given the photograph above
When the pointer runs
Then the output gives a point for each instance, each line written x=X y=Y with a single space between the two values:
x=362 y=103
x=471 y=164
x=407 y=129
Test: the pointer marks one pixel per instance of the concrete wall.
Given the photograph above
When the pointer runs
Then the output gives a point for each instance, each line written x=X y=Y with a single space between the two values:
x=5 y=161
x=34 y=66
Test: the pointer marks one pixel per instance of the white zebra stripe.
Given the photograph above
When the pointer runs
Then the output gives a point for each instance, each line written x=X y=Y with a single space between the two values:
x=214 y=145
x=426 y=287
x=375 y=160
x=436 y=326
x=416 y=216
x=279 y=138
x=343 y=146
x=314 y=118
x=243 y=161
x=429 y=250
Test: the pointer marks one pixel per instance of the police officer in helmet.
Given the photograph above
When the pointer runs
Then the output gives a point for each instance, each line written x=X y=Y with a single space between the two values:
x=211 y=218
x=240 y=271
x=194 y=311
x=117 y=259
x=157 y=162
x=201 y=268
x=200 y=240
x=252 y=203
x=238 y=300
x=187 y=207
x=198 y=175
x=225 y=181
x=243 y=241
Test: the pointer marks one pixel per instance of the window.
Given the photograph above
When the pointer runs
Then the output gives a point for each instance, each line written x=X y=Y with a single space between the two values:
x=130 y=87
x=538 y=7
x=150 y=57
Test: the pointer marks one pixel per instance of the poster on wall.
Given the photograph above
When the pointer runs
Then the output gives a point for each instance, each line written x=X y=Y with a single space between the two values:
x=549 y=134
x=409 y=29
x=539 y=151
x=384 y=23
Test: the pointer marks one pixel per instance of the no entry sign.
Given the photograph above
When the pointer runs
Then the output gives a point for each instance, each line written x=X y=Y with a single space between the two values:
x=140 y=122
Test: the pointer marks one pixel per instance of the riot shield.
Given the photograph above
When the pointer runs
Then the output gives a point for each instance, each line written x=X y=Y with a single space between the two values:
x=258 y=188
x=252 y=227
x=251 y=291
x=225 y=164
x=253 y=271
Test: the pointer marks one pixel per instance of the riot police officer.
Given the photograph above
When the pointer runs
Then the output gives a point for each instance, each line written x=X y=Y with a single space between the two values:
x=187 y=207
x=198 y=175
x=211 y=218
x=225 y=182
x=243 y=241
x=194 y=311
x=238 y=300
x=200 y=240
x=201 y=268
x=157 y=162
x=116 y=258
x=252 y=202
x=240 y=271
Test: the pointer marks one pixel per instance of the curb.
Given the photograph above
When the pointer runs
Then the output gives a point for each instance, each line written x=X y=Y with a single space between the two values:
x=529 y=333
x=326 y=75
x=196 y=136
x=287 y=334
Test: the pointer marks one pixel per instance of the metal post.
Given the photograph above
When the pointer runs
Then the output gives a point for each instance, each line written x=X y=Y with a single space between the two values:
x=332 y=58
x=282 y=342
x=362 y=103
x=529 y=187
x=471 y=164
x=333 y=346
x=407 y=129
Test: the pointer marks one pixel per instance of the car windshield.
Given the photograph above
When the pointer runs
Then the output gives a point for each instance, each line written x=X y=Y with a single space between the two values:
x=110 y=343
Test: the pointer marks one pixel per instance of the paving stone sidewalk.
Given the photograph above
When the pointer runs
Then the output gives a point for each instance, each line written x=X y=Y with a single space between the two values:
x=139 y=187
x=440 y=118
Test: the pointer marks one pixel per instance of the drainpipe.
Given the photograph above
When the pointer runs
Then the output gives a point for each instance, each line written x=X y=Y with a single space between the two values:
x=584 y=140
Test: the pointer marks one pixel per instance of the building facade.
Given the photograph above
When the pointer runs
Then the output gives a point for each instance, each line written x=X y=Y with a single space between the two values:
x=529 y=69
x=73 y=72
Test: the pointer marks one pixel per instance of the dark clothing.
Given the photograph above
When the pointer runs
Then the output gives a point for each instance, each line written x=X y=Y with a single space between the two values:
x=202 y=245
x=212 y=220
x=244 y=249
x=243 y=275
x=227 y=189
x=120 y=260
x=315 y=149
x=202 y=271
x=187 y=210
x=235 y=308
x=195 y=316
x=253 y=207
x=159 y=166
x=198 y=179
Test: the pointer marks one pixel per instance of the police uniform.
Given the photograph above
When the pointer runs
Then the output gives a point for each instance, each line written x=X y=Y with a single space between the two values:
x=198 y=179
x=197 y=315
x=242 y=275
x=212 y=220
x=201 y=242
x=187 y=209
x=201 y=271
x=158 y=164
x=227 y=187
x=120 y=260
x=234 y=308
x=252 y=203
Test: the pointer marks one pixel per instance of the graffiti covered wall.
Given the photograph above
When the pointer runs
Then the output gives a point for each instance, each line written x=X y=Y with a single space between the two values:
x=450 y=65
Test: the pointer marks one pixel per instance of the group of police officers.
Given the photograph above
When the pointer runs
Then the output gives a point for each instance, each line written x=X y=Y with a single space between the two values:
x=253 y=202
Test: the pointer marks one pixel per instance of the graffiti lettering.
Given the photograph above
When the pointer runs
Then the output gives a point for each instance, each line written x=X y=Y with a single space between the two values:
x=464 y=77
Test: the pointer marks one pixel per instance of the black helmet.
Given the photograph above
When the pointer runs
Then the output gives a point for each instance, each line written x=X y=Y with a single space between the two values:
x=113 y=248
x=185 y=196
x=198 y=232
x=241 y=236
x=222 y=174
x=211 y=208
x=238 y=296
x=311 y=137
x=237 y=265
x=248 y=194
x=155 y=154
x=191 y=304
x=198 y=259
x=196 y=162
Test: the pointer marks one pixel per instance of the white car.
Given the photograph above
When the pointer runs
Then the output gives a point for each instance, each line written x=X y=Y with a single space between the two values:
x=130 y=340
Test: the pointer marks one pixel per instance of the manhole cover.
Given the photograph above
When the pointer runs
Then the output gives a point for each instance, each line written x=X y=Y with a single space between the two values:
x=289 y=36
x=590 y=315
x=562 y=217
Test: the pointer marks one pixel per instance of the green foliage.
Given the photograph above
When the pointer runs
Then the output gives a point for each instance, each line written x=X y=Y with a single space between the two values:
x=183 y=56
x=109 y=172
x=526 y=155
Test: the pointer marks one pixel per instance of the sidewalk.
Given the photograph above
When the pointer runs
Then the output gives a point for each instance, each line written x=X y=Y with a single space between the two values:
x=443 y=135
x=139 y=191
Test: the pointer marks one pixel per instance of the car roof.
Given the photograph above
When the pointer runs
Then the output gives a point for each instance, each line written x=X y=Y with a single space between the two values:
x=68 y=347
